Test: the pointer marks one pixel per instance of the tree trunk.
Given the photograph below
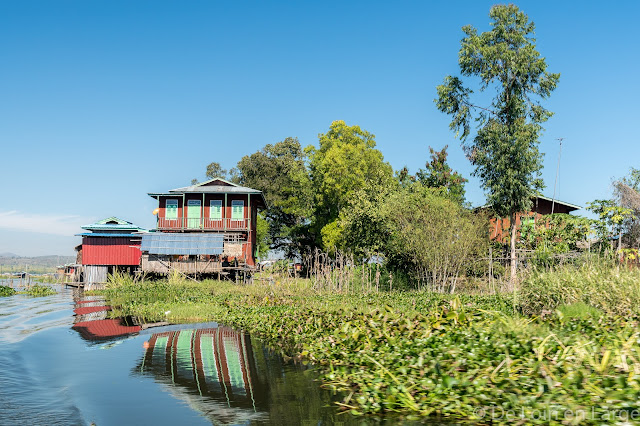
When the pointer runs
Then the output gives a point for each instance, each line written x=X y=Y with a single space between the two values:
x=512 y=228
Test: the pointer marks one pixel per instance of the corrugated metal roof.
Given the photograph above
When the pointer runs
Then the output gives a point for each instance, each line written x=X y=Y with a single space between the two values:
x=216 y=188
x=182 y=243
x=542 y=197
x=573 y=206
x=205 y=188
x=106 y=234
x=112 y=224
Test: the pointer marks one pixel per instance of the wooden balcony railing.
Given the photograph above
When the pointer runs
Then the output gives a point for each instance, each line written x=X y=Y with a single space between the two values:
x=204 y=224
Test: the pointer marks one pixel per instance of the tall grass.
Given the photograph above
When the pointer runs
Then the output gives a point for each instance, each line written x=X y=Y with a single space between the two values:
x=594 y=281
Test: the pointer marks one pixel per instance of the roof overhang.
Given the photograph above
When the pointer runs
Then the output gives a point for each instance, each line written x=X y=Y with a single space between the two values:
x=157 y=195
x=570 y=207
x=107 y=234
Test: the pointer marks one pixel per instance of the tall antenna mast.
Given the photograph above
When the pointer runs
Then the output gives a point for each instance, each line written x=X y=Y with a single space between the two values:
x=555 y=184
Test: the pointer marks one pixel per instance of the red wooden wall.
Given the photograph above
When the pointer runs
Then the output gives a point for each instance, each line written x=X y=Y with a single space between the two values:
x=110 y=251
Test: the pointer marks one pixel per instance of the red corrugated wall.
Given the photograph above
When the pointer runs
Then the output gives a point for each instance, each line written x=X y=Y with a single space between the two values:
x=110 y=251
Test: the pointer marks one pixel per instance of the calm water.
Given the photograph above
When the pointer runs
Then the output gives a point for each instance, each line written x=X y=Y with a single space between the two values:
x=63 y=362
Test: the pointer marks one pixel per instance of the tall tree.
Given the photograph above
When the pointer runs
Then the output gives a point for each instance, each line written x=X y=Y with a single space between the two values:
x=345 y=161
x=504 y=150
x=438 y=174
x=215 y=170
x=280 y=172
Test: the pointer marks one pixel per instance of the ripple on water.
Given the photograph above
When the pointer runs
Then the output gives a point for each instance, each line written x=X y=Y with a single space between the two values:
x=21 y=315
x=53 y=373
x=25 y=395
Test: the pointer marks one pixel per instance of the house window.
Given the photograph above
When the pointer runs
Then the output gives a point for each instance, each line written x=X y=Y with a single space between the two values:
x=171 y=209
x=215 y=209
x=237 y=209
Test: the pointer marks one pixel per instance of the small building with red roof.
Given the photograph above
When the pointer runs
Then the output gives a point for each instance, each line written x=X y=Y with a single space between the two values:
x=110 y=245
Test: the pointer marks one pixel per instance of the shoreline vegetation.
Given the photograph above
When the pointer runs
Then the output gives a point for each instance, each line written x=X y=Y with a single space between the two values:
x=34 y=290
x=566 y=341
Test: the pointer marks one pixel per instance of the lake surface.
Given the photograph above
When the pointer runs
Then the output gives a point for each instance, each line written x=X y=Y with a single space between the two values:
x=62 y=361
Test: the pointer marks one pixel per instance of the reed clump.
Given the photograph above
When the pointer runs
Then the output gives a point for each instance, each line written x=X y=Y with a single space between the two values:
x=596 y=282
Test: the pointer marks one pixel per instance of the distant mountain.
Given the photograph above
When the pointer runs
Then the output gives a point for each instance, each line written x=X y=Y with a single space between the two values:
x=9 y=262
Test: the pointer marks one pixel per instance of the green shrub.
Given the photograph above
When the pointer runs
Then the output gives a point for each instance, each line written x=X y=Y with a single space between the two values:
x=6 y=291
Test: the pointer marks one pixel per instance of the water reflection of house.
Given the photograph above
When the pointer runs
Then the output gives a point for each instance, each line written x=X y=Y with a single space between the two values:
x=112 y=244
x=200 y=226
x=92 y=322
x=216 y=364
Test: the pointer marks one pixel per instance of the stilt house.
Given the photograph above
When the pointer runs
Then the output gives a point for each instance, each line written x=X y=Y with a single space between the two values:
x=202 y=226
x=112 y=244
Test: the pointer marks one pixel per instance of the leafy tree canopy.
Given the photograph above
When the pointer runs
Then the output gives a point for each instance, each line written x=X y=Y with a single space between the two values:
x=280 y=172
x=417 y=230
x=438 y=174
x=504 y=149
x=345 y=162
x=215 y=170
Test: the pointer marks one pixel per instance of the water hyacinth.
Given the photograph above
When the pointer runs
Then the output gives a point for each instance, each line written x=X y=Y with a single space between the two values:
x=38 y=290
x=424 y=354
x=6 y=291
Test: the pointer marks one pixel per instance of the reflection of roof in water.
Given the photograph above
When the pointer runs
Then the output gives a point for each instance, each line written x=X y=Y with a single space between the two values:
x=92 y=324
x=213 y=368
x=84 y=310
x=104 y=329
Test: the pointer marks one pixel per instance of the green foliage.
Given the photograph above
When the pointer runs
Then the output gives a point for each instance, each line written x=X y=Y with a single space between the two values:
x=38 y=290
x=314 y=194
x=438 y=174
x=424 y=354
x=561 y=230
x=345 y=162
x=215 y=170
x=432 y=235
x=364 y=226
x=594 y=281
x=6 y=291
x=504 y=150
x=627 y=194
x=280 y=172
x=579 y=310
x=611 y=219
x=633 y=179
x=417 y=231
x=553 y=235
x=263 y=240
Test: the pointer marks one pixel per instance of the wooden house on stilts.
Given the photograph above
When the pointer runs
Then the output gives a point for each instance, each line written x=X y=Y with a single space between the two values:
x=203 y=229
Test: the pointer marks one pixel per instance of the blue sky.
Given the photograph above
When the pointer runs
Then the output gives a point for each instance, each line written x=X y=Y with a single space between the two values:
x=104 y=101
